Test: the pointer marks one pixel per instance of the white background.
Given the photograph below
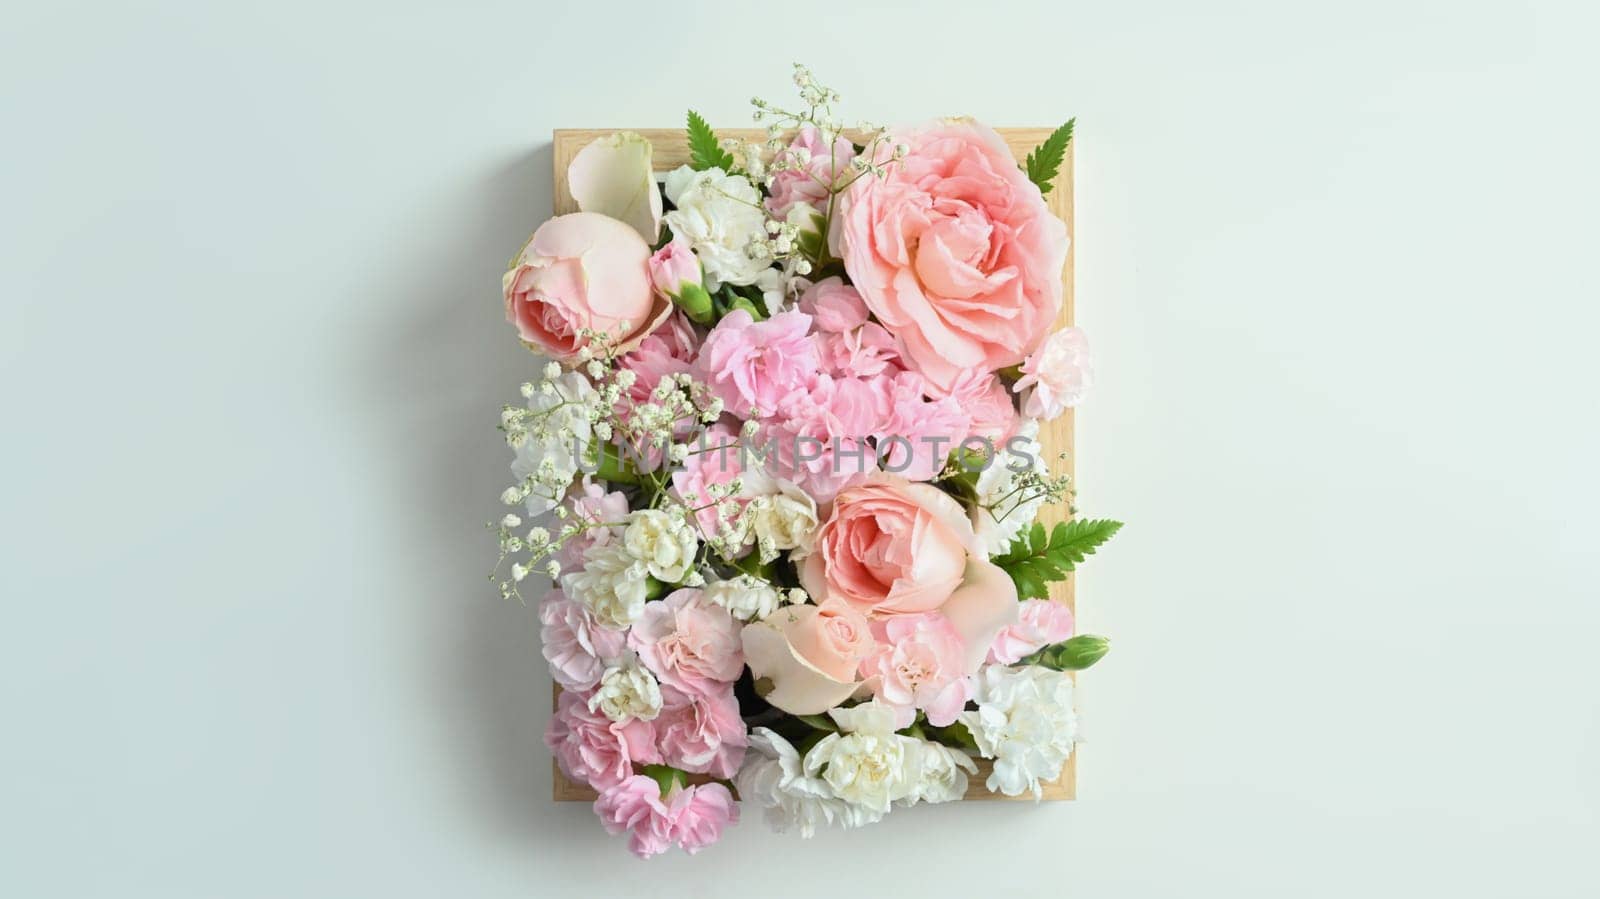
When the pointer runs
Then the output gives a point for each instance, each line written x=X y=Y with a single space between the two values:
x=1336 y=261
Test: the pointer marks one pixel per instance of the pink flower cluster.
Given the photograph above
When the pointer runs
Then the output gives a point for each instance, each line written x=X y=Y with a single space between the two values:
x=692 y=649
x=824 y=375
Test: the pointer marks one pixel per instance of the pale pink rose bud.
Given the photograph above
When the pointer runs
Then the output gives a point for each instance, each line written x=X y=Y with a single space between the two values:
x=675 y=273
x=673 y=266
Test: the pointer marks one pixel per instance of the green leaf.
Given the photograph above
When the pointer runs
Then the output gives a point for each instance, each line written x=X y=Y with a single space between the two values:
x=1037 y=556
x=704 y=151
x=819 y=722
x=1044 y=163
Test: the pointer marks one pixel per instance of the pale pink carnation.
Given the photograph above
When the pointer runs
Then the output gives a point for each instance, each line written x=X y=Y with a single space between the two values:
x=919 y=664
x=688 y=642
x=1042 y=623
x=928 y=430
x=634 y=805
x=700 y=814
x=592 y=505
x=1059 y=374
x=701 y=732
x=820 y=168
x=593 y=749
x=577 y=647
x=753 y=365
x=689 y=817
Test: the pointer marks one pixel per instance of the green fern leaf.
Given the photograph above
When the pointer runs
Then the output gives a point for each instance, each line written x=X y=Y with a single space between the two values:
x=704 y=151
x=1044 y=163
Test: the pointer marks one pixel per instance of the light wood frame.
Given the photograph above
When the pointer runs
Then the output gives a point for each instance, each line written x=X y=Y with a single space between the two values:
x=671 y=149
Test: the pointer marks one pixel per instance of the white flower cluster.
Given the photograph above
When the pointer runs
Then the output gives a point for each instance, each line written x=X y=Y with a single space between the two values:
x=1025 y=722
x=851 y=777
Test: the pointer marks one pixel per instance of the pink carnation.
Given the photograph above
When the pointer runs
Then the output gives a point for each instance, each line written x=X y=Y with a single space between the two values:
x=577 y=647
x=701 y=732
x=928 y=430
x=820 y=435
x=591 y=504
x=668 y=351
x=716 y=459
x=834 y=306
x=1042 y=623
x=819 y=167
x=753 y=365
x=688 y=642
x=593 y=749
x=919 y=664
x=984 y=397
x=864 y=352
x=690 y=817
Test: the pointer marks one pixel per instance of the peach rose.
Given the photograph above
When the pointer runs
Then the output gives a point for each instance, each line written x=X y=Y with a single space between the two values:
x=892 y=547
x=809 y=655
x=579 y=271
x=954 y=250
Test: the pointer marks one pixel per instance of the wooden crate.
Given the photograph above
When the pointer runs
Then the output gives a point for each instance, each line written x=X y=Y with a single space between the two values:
x=672 y=150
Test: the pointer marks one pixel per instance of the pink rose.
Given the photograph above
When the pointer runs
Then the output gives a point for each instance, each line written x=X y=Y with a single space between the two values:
x=753 y=365
x=577 y=647
x=834 y=306
x=1041 y=623
x=891 y=547
x=594 y=506
x=688 y=642
x=688 y=817
x=673 y=266
x=579 y=271
x=1059 y=373
x=954 y=251
x=593 y=749
x=809 y=654
x=701 y=732
x=919 y=664
x=817 y=168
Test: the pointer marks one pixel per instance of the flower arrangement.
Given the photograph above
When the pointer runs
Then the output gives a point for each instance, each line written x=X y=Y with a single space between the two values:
x=786 y=455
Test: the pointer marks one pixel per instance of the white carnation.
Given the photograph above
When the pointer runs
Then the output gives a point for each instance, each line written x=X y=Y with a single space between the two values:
x=1024 y=722
x=746 y=598
x=774 y=778
x=998 y=516
x=944 y=774
x=665 y=543
x=867 y=764
x=720 y=216
x=783 y=521
x=626 y=692
x=554 y=445
x=611 y=585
